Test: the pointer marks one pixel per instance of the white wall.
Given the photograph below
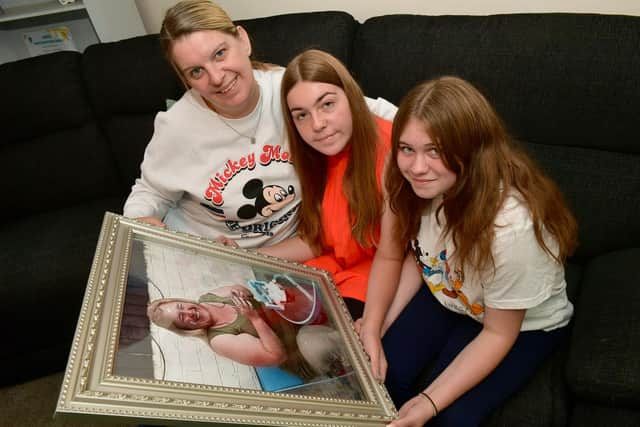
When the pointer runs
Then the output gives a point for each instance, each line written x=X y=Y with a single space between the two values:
x=115 y=20
x=152 y=11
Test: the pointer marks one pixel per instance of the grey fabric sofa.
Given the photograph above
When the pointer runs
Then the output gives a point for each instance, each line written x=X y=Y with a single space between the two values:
x=74 y=127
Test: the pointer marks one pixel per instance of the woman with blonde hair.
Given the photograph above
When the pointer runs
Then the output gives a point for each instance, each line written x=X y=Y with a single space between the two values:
x=235 y=326
x=489 y=231
x=338 y=149
x=211 y=167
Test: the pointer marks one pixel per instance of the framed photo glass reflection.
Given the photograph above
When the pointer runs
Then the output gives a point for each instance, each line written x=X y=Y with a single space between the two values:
x=181 y=329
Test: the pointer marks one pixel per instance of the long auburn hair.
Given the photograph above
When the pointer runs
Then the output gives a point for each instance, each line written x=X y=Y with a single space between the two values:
x=191 y=16
x=360 y=183
x=474 y=144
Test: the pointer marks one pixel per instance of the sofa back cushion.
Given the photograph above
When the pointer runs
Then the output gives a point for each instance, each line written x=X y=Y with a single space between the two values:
x=565 y=84
x=128 y=82
x=52 y=154
x=277 y=39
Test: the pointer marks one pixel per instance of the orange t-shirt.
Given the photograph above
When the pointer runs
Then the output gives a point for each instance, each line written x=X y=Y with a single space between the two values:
x=343 y=257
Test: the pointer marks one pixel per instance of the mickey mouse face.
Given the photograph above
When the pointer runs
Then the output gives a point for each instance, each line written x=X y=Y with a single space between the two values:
x=269 y=199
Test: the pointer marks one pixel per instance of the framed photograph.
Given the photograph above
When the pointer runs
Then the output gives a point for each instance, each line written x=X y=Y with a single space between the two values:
x=176 y=329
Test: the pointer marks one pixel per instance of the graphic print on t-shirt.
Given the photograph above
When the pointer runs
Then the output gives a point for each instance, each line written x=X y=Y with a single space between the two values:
x=251 y=196
x=440 y=278
x=268 y=199
x=220 y=180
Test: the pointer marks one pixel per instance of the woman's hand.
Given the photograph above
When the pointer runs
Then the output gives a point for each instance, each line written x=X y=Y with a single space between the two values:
x=242 y=301
x=373 y=347
x=227 y=241
x=240 y=291
x=414 y=413
x=151 y=220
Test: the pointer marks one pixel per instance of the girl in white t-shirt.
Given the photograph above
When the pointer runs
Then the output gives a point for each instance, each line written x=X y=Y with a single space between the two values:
x=488 y=232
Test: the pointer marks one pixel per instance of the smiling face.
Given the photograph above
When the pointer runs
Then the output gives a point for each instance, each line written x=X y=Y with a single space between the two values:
x=217 y=66
x=322 y=116
x=420 y=163
x=185 y=315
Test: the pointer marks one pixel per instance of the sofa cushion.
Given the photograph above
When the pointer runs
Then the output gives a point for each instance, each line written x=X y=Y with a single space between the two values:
x=56 y=170
x=603 y=190
x=128 y=82
x=130 y=76
x=129 y=135
x=564 y=79
x=41 y=95
x=542 y=402
x=51 y=151
x=603 y=360
x=573 y=276
x=585 y=414
x=44 y=266
x=273 y=42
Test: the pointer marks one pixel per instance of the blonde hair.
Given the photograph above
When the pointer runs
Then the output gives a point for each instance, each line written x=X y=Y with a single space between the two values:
x=285 y=331
x=157 y=316
x=191 y=16
x=474 y=144
x=360 y=183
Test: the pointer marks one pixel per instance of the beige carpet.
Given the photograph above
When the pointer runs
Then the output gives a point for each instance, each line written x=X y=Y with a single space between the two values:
x=32 y=405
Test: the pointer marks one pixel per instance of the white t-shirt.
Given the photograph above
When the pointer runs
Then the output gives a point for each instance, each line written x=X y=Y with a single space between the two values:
x=526 y=277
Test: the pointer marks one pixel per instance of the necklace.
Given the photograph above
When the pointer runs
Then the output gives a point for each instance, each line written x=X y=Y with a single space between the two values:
x=251 y=138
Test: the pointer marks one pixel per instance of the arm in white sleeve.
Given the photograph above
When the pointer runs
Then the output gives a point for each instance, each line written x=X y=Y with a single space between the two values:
x=155 y=192
x=382 y=108
x=145 y=201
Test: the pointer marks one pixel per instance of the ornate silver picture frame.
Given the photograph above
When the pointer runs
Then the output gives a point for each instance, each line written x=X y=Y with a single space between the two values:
x=278 y=346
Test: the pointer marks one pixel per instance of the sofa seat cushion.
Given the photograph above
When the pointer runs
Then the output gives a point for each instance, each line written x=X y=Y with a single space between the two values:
x=603 y=361
x=596 y=415
x=44 y=266
x=542 y=402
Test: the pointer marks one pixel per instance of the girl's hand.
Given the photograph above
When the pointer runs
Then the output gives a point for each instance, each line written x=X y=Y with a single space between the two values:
x=357 y=325
x=373 y=347
x=415 y=413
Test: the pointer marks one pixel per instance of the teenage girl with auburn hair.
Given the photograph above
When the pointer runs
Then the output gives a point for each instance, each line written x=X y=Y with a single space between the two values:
x=489 y=234
x=338 y=148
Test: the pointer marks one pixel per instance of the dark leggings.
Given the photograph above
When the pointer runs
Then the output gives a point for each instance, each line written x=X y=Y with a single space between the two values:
x=427 y=334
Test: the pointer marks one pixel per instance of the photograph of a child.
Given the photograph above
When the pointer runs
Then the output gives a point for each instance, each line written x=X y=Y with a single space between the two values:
x=215 y=322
